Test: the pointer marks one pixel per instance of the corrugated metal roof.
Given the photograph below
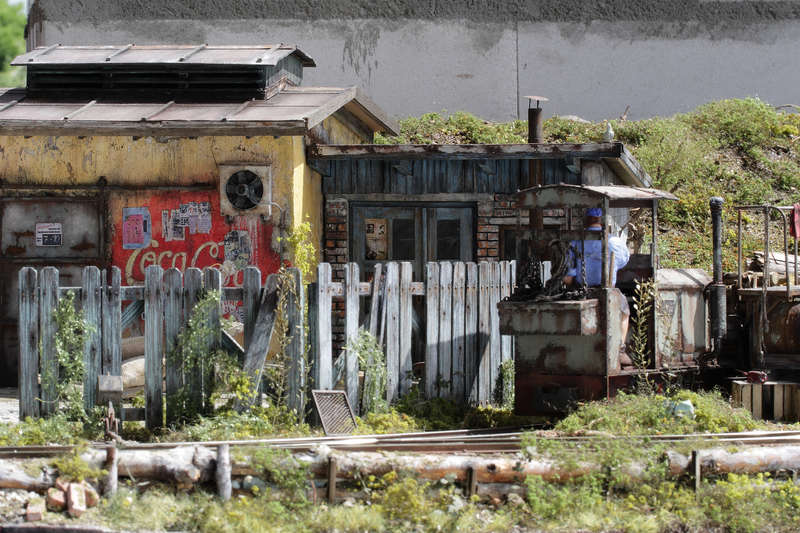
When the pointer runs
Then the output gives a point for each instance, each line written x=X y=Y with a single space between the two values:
x=292 y=111
x=553 y=196
x=132 y=54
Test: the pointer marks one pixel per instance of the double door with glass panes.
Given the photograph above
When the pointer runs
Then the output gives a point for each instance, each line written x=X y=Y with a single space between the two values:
x=418 y=234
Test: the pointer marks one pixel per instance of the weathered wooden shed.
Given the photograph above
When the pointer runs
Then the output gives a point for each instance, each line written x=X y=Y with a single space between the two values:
x=180 y=156
x=424 y=203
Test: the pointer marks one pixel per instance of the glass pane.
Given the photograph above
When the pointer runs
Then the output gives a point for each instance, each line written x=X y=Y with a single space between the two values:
x=448 y=240
x=509 y=245
x=404 y=241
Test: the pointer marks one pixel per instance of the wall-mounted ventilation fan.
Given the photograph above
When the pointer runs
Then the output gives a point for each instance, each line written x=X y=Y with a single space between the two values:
x=245 y=189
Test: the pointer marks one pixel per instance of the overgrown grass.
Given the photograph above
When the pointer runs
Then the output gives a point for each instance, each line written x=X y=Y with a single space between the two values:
x=741 y=149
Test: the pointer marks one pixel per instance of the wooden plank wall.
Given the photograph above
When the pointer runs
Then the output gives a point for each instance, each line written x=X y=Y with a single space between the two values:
x=496 y=176
x=463 y=345
x=169 y=300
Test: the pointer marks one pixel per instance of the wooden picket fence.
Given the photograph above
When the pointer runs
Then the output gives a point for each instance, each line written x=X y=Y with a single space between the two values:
x=167 y=299
x=464 y=348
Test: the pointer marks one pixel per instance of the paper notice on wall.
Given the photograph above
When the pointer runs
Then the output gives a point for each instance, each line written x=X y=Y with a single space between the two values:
x=237 y=248
x=375 y=231
x=171 y=230
x=204 y=217
x=49 y=234
x=136 y=227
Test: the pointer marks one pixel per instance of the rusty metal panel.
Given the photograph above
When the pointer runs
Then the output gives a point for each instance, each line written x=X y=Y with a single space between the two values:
x=577 y=317
x=537 y=394
x=561 y=354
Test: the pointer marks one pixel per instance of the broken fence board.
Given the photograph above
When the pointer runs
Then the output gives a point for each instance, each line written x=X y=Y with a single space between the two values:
x=323 y=364
x=351 y=280
x=252 y=295
x=173 y=318
x=445 y=328
x=295 y=303
x=90 y=304
x=192 y=370
x=213 y=282
x=431 y=329
x=471 y=333
x=392 y=303
x=376 y=300
x=153 y=347
x=48 y=302
x=484 y=333
x=406 y=318
x=262 y=335
x=494 y=330
x=458 y=363
x=28 y=343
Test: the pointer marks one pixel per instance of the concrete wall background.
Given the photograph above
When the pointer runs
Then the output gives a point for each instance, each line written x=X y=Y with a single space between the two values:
x=592 y=59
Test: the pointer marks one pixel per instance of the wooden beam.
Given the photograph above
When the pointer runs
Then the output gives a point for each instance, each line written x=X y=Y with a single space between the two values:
x=189 y=128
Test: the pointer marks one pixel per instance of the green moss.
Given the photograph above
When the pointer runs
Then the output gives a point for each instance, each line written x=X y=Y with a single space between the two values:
x=72 y=467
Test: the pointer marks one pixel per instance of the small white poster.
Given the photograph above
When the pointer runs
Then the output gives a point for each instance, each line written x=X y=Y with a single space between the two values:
x=48 y=234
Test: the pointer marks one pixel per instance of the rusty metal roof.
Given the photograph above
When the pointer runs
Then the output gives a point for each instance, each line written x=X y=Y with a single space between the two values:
x=292 y=111
x=132 y=54
x=555 y=196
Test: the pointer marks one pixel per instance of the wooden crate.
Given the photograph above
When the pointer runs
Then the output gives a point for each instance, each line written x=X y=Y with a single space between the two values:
x=773 y=400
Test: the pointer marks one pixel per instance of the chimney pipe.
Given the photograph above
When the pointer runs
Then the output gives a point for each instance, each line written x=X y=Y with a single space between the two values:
x=535 y=120
x=718 y=297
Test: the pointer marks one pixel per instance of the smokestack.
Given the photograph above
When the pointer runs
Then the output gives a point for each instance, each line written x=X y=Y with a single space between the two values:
x=535 y=130
x=718 y=297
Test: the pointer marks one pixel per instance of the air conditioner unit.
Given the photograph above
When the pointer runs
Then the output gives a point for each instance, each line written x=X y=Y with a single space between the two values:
x=245 y=189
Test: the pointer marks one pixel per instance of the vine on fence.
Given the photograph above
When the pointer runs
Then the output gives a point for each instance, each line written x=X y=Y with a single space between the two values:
x=372 y=361
x=644 y=298
x=72 y=329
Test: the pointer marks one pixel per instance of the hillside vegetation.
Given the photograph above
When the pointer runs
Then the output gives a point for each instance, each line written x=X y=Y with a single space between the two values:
x=744 y=150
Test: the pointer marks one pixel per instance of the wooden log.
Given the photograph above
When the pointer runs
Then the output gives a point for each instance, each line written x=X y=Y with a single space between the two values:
x=351 y=280
x=222 y=474
x=262 y=337
x=459 y=344
x=323 y=363
x=12 y=476
x=471 y=334
x=48 y=302
x=173 y=320
x=392 y=304
x=431 y=330
x=92 y=313
x=406 y=318
x=132 y=347
x=445 y=328
x=153 y=348
x=184 y=465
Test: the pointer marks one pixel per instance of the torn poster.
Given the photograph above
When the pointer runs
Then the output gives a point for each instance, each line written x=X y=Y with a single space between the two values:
x=375 y=231
x=238 y=248
x=136 y=227
x=171 y=230
x=48 y=234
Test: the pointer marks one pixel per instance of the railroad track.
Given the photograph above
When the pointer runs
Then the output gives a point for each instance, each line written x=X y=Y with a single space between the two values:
x=500 y=441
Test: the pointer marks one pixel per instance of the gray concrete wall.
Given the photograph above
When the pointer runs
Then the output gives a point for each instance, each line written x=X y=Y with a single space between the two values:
x=591 y=59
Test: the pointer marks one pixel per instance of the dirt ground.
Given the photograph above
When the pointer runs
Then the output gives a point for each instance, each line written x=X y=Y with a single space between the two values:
x=9 y=405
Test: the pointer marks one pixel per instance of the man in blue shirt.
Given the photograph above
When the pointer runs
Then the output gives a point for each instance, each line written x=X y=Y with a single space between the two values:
x=593 y=253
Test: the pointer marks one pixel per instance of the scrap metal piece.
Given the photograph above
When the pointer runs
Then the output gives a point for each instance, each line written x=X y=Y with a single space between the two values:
x=334 y=412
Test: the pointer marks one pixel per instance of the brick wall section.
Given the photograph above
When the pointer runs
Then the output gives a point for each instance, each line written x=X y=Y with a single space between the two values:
x=336 y=252
x=492 y=216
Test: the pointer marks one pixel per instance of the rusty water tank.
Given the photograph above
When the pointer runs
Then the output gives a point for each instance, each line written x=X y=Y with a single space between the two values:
x=783 y=336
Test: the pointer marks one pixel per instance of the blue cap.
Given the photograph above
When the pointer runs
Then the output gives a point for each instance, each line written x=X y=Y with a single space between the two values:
x=594 y=212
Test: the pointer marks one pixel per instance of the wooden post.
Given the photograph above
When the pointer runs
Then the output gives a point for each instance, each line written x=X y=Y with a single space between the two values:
x=111 y=306
x=28 y=343
x=471 y=334
x=351 y=281
x=392 y=304
x=332 y=479
x=484 y=334
x=192 y=371
x=213 y=282
x=296 y=349
x=173 y=319
x=48 y=302
x=505 y=291
x=111 y=466
x=431 y=330
x=92 y=313
x=697 y=473
x=406 y=317
x=445 y=328
x=222 y=474
x=323 y=363
x=252 y=296
x=459 y=345
x=472 y=481
x=153 y=347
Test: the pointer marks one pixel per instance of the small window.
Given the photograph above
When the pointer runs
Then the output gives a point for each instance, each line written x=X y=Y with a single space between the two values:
x=448 y=240
x=508 y=244
x=404 y=241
